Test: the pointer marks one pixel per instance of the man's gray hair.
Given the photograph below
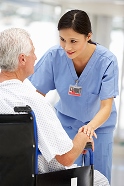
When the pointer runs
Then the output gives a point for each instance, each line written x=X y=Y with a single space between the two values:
x=13 y=41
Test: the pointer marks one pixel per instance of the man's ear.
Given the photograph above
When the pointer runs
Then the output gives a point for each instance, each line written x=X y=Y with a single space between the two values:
x=22 y=59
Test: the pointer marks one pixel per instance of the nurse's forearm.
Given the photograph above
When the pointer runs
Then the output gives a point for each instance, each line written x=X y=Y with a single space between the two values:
x=102 y=115
x=99 y=119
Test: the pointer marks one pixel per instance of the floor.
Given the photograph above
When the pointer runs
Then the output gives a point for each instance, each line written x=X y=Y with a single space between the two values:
x=118 y=166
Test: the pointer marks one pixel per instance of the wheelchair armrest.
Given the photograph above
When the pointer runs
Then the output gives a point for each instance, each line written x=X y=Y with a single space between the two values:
x=23 y=109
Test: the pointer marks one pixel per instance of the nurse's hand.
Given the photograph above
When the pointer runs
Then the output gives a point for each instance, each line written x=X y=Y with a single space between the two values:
x=88 y=130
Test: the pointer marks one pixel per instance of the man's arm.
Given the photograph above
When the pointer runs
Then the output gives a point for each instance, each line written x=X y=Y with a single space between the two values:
x=79 y=143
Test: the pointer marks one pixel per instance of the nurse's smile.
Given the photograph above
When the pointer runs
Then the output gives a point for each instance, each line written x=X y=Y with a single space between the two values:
x=70 y=53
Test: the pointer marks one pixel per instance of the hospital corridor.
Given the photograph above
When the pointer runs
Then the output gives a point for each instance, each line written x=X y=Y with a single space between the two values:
x=118 y=165
x=40 y=18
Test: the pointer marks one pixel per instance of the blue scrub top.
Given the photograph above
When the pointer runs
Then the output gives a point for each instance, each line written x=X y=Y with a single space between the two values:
x=99 y=81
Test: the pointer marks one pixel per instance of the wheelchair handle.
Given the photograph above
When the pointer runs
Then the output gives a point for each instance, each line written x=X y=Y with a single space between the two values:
x=89 y=148
x=88 y=145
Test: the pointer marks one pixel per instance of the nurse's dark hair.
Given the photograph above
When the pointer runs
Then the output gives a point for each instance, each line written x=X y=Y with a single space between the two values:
x=78 y=20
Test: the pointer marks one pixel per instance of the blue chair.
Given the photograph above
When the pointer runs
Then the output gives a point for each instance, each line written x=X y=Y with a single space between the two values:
x=19 y=155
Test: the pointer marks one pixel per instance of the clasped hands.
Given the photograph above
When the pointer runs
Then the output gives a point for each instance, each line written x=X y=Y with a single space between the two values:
x=89 y=131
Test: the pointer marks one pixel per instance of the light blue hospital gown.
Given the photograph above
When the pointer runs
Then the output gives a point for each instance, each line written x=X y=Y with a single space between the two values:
x=99 y=81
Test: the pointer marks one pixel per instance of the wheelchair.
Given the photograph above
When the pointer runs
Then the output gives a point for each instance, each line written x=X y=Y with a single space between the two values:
x=19 y=155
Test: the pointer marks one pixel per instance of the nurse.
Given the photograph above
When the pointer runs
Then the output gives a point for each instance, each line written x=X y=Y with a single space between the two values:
x=85 y=75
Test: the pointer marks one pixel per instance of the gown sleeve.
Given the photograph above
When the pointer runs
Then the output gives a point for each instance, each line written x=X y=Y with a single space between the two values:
x=52 y=138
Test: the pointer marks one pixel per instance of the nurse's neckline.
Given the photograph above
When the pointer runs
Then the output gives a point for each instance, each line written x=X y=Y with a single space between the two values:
x=80 y=64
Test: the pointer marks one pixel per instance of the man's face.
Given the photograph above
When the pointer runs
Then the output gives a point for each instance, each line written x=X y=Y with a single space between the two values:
x=30 y=61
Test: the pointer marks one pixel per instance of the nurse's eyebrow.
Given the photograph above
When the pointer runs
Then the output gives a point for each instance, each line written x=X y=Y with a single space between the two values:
x=61 y=38
x=74 y=39
x=69 y=38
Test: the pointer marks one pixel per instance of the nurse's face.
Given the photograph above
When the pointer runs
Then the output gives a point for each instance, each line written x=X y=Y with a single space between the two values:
x=73 y=43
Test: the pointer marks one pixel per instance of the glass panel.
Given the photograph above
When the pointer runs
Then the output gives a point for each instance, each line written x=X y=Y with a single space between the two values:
x=117 y=47
x=37 y=17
